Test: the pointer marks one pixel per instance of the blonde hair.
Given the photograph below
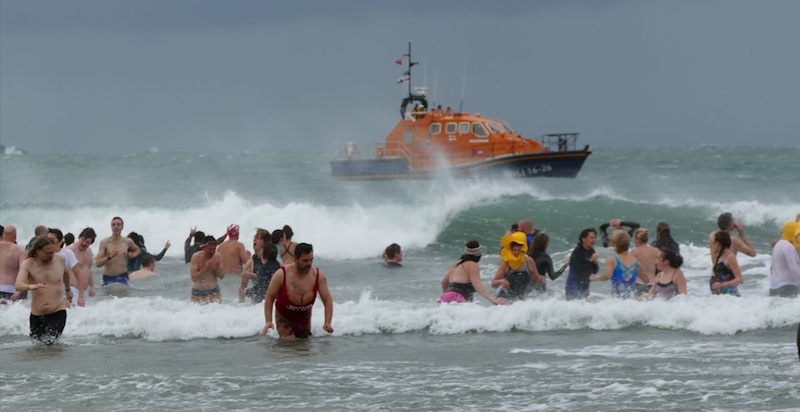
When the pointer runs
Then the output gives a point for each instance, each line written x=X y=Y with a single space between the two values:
x=621 y=240
x=641 y=235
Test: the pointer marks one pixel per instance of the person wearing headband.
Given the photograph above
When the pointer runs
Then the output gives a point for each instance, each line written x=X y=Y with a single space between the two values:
x=463 y=279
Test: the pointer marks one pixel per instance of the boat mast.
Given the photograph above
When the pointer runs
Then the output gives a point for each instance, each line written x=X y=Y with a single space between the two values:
x=410 y=65
x=411 y=96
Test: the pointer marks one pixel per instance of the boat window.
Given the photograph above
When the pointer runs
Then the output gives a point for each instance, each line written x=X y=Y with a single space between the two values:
x=463 y=128
x=436 y=128
x=450 y=128
x=496 y=127
x=478 y=130
x=408 y=136
x=508 y=127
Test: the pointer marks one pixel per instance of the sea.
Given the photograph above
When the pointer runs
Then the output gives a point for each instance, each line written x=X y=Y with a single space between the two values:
x=393 y=346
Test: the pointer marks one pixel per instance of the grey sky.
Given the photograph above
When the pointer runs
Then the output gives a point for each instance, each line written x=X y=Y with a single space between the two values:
x=124 y=76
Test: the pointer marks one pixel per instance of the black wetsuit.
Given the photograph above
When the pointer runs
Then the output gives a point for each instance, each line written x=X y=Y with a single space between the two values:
x=544 y=264
x=630 y=225
x=667 y=243
x=189 y=250
x=136 y=263
x=580 y=268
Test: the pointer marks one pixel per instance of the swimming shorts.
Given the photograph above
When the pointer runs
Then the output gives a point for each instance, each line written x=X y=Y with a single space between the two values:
x=121 y=279
x=206 y=295
x=48 y=328
x=452 y=297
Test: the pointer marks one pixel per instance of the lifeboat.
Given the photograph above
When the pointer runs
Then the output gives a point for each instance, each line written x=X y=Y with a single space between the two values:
x=429 y=142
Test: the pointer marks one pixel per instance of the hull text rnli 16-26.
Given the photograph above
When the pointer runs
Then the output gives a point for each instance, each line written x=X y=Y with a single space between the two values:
x=429 y=142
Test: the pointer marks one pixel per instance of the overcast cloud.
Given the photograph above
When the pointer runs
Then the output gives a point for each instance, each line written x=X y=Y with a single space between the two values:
x=125 y=76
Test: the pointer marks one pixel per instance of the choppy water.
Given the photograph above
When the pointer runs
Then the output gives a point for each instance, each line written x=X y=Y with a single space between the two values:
x=393 y=346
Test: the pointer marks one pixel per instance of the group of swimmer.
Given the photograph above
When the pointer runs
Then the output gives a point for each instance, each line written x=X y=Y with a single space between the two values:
x=645 y=271
x=58 y=277
x=284 y=278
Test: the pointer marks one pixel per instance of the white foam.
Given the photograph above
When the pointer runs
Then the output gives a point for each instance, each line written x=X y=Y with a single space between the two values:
x=160 y=319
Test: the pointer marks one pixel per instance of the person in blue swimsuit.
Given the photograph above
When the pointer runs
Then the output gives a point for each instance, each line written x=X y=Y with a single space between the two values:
x=622 y=268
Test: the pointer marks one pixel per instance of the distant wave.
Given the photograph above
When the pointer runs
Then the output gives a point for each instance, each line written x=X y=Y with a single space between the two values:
x=12 y=151
x=352 y=230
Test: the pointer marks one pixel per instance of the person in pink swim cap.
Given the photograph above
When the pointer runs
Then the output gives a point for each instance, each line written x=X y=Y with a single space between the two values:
x=234 y=254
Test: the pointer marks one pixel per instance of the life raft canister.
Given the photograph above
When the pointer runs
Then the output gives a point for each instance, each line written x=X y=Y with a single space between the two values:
x=350 y=149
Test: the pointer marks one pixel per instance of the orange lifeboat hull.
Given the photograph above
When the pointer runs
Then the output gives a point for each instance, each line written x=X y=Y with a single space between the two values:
x=431 y=144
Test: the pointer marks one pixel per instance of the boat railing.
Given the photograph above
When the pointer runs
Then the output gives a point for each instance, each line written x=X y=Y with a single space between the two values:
x=560 y=142
x=393 y=149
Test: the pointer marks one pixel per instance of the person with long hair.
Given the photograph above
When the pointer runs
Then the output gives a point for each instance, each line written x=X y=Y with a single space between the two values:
x=664 y=238
x=544 y=263
x=669 y=281
x=463 y=279
x=582 y=265
x=727 y=275
x=260 y=268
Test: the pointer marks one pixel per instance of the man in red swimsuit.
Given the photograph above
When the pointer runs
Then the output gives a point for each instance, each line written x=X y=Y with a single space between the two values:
x=293 y=290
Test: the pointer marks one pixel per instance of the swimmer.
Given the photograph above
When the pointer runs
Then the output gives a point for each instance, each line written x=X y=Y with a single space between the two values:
x=293 y=304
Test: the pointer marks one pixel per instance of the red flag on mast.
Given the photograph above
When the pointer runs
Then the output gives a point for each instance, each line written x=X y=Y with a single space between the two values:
x=399 y=62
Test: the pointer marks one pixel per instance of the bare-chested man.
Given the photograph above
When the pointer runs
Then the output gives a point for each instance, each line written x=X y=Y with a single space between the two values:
x=76 y=275
x=206 y=269
x=727 y=223
x=113 y=254
x=293 y=290
x=234 y=254
x=48 y=277
x=147 y=270
x=85 y=257
x=11 y=257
